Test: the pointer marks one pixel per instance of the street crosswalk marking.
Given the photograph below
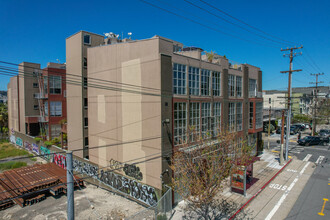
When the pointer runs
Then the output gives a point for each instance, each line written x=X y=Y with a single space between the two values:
x=308 y=156
x=319 y=160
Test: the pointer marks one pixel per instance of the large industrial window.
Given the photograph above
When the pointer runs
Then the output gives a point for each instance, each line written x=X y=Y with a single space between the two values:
x=216 y=77
x=55 y=108
x=179 y=79
x=252 y=87
x=217 y=118
x=55 y=130
x=206 y=118
x=231 y=118
x=231 y=85
x=193 y=81
x=205 y=82
x=194 y=114
x=239 y=116
x=180 y=122
x=55 y=84
x=259 y=115
x=251 y=115
x=46 y=108
x=238 y=86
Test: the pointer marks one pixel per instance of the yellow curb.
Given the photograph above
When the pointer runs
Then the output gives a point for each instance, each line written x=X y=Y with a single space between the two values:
x=275 y=151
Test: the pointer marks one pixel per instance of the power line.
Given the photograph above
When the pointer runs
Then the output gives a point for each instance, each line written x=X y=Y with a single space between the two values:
x=203 y=9
x=203 y=25
x=223 y=12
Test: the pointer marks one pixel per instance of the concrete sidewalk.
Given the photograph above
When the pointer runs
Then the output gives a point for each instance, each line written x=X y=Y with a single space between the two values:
x=263 y=172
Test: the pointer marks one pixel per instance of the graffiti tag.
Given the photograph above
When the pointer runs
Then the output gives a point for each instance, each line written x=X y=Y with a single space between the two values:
x=133 y=171
x=60 y=160
x=85 y=168
x=19 y=141
x=12 y=139
x=45 y=153
x=28 y=146
x=35 y=148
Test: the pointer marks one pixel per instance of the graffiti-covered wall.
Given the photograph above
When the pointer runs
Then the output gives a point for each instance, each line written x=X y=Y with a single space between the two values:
x=128 y=186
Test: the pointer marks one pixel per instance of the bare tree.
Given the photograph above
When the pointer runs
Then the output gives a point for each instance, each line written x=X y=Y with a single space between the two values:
x=201 y=171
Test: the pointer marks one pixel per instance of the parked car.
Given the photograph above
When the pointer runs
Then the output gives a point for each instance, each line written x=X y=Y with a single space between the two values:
x=294 y=129
x=313 y=140
x=325 y=133
x=300 y=126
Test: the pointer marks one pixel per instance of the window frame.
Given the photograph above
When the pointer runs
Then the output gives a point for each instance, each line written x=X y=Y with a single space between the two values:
x=90 y=39
x=179 y=70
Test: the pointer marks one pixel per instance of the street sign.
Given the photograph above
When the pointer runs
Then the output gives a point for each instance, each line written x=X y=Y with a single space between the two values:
x=279 y=122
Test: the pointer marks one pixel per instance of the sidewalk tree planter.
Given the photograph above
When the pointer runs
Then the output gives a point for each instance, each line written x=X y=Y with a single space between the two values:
x=201 y=169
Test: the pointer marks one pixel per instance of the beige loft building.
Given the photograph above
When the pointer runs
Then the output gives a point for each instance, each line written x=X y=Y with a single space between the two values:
x=141 y=96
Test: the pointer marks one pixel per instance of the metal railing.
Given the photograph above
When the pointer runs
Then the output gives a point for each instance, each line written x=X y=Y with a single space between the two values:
x=162 y=210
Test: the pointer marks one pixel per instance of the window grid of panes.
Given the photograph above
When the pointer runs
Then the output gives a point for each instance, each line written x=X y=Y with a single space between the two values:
x=259 y=115
x=55 y=108
x=216 y=83
x=239 y=116
x=238 y=86
x=180 y=122
x=251 y=115
x=205 y=82
x=179 y=79
x=231 y=122
x=231 y=85
x=55 y=84
x=217 y=118
x=193 y=81
x=206 y=116
x=194 y=117
x=252 y=87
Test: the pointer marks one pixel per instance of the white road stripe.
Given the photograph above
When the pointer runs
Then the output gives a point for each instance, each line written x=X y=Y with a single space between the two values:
x=278 y=204
x=319 y=160
x=307 y=157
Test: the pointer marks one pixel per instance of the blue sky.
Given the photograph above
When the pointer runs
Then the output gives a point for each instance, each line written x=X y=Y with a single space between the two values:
x=35 y=31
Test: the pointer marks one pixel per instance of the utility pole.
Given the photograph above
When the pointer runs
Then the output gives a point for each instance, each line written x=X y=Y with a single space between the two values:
x=315 y=100
x=70 y=185
x=270 y=111
x=288 y=124
x=282 y=138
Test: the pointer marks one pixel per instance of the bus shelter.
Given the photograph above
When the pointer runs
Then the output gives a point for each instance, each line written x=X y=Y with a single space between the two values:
x=241 y=178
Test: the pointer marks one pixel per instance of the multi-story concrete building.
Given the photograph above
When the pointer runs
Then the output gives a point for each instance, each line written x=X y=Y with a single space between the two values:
x=76 y=65
x=144 y=95
x=37 y=99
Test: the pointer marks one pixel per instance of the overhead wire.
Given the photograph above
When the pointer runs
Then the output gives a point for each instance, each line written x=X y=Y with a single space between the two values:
x=206 y=26
x=221 y=18
x=241 y=21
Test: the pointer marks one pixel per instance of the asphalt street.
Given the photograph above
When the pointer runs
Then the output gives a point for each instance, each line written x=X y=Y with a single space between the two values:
x=313 y=202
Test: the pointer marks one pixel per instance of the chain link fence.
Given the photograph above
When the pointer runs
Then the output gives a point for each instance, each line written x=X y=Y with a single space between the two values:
x=161 y=211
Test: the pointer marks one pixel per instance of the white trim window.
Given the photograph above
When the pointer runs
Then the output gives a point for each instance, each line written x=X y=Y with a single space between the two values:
x=231 y=85
x=179 y=79
x=206 y=117
x=194 y=117
x=239 y=116
x=56 y=109
x=231 y=118
x=205 y=82
x=180 y=123
x=193 y=81
x=238 y=86
x=46 y=108
x=217 y=118
x=259 y=115
x=55 y=84
x=216 y=86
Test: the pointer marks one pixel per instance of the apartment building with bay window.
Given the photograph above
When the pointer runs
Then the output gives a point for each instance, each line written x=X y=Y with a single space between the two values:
x=37 y=100
x=144 y=96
